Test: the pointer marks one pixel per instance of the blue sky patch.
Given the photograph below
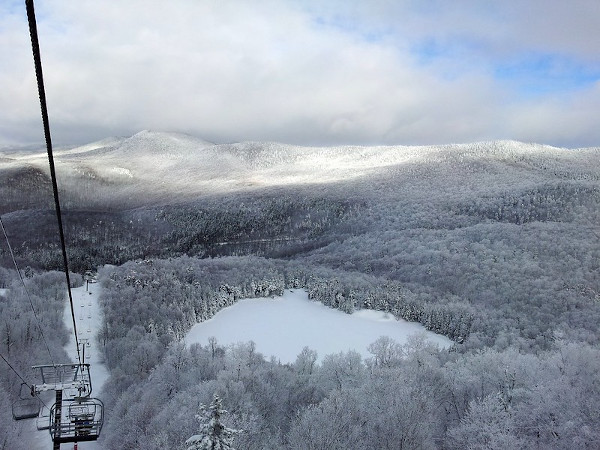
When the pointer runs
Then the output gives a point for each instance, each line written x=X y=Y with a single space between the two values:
x=538 y=74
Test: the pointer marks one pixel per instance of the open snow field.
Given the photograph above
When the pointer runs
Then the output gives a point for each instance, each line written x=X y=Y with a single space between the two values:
x=283 y=326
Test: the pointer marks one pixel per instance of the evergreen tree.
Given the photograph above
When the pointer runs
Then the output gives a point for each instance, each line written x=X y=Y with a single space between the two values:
x=213 y=434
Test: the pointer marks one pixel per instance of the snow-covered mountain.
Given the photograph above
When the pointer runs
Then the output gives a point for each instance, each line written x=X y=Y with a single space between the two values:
x=159 y=167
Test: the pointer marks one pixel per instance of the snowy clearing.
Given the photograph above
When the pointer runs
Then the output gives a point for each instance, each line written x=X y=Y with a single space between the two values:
x=283 y=326
x=89 y=321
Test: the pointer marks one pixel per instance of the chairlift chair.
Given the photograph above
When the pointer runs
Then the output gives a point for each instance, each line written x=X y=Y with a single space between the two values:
x=78 y=420
x=42 y=422
x=67 y=377
x=26 y=406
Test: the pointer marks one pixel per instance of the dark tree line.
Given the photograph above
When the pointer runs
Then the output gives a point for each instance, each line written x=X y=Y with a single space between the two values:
x=271 y=225
x=549 y=203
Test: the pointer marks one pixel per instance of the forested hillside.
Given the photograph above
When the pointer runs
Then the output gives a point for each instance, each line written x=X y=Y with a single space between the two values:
x=32 y=333
x=495 y=245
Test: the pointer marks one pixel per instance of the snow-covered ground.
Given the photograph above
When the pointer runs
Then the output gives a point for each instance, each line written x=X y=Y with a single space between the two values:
x=89 y=320
x=282 y=326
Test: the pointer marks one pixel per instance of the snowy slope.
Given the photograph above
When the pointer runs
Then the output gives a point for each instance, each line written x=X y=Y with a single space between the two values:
x=89 y=320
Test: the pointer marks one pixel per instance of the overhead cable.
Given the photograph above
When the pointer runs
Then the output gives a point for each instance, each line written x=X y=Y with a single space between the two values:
x=37 y=321
x=37 y=59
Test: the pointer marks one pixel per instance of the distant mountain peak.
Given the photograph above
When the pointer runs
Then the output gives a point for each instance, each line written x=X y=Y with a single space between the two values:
x=167 y=136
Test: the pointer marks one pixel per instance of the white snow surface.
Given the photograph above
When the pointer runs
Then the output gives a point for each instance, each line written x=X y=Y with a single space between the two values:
x=283 y=326
x=89 y=320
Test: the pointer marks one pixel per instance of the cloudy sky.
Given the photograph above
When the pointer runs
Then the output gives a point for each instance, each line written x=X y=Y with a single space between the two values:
x=314 y=72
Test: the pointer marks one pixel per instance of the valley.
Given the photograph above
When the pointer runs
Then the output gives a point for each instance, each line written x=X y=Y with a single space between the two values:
x=493 y=245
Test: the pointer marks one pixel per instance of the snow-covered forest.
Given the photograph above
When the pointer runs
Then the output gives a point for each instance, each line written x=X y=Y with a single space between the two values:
x=494 y=245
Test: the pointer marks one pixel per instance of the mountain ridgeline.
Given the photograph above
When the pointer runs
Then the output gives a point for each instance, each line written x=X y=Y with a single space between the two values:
x=159 y=194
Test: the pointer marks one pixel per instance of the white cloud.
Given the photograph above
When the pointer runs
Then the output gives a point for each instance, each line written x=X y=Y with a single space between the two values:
x=301 y=73
x=565 y=121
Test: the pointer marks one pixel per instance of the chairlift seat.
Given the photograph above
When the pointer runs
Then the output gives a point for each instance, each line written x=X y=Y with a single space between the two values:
x=26 y=408
x=42 y=423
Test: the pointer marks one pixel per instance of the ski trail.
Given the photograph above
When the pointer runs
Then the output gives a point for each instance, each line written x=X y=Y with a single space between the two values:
x=88 y=319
